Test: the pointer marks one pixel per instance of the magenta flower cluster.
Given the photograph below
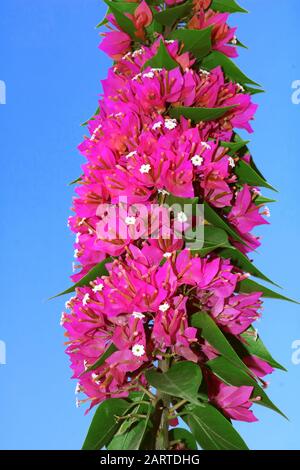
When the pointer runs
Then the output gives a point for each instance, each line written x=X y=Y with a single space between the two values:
x=135 y=148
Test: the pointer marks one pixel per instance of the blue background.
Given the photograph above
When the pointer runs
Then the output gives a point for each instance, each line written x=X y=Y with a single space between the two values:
x=52 y=67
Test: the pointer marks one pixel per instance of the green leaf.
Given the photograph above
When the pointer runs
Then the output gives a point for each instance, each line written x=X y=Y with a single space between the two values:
x=212 y=239
x=75 y=181
x=181 y=201
x=234 y=147
x=169 y=16
x=107 y=353
x=162 y=59
x=97 y=271
x=182 y=380
x=248 y=286
x=212 y=333
x=213 y=431
x=231 y=70
x=184 y=436
x=255 y=347
x=104 y=424
x=196 y=41
x=92 y=117
x=198 y=114
x=247 y=174
x=233 y=375
x=263 y=200
x=133 y=438
x=215 y=219
x=104 y=21
x=229 y=6
x=123 y=21
x=242 y=261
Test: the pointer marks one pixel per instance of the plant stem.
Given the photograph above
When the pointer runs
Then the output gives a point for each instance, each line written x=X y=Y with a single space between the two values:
x=162 y=439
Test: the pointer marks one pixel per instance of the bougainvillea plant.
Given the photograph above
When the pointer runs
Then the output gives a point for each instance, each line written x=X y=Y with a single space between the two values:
x=160 y=330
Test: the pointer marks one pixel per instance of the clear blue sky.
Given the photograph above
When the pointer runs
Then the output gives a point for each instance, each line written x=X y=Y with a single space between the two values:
x=52 y=68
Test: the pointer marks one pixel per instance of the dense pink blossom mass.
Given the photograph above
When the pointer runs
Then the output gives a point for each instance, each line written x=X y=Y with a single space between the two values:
x=136 y=148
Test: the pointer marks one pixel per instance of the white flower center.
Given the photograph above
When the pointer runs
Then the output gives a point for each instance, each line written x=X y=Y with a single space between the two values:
x=231 y=162
x=145 y=168
x=85 y=299
x=164 y=307
x=138 y=350
x=197 y=160
x=98 y=287
x=170 y=124
x=138 y=315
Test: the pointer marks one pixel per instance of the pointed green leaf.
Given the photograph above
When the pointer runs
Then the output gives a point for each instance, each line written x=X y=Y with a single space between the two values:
x=248 y=286
x=123 y=21
x=97 y=271
x=182 y=380
x=212 y=333
x=247 y=174
x=162 y=59
x=242 y=261
x=231 y=70
x=263 y=200
x=197 y=42
x=92 y=117
x=104 y=423
x=181 y=201
x=198 y=114
x=234 y=147
x=75 y=181
x=169 y=16
x=183 y=436
x=255 y=347
x=107 y=353
x=211 y=239
x=213 y=431
x=133 y=437
x=215 y=219
x=229 y=6
x=233 y=375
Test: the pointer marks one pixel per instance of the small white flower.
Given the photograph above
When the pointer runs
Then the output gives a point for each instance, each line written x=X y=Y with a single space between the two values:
x=170 y=124
x=98 y=287
x=62 y=319
x=131 y=154
x=77 y=237
x=138 y=350
x=94 y=376
x=163 y=191
x=85 y=364
x=85 y=299
x=206 y=145
x=231 y=162
x=77 y=389
x=148 y=74
x=234 y=40
x=136 y=77
x=137 y=52
x=76 y=253
x=156 y=125
x=156 y=69
x=164 y=307
x=181 y=217
x=167 y=254
x=138 y=315
x=204 y=72
x=130 y=220
x=197 y=160
x=266 y=212
x=240 y=87
x=145 y=168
